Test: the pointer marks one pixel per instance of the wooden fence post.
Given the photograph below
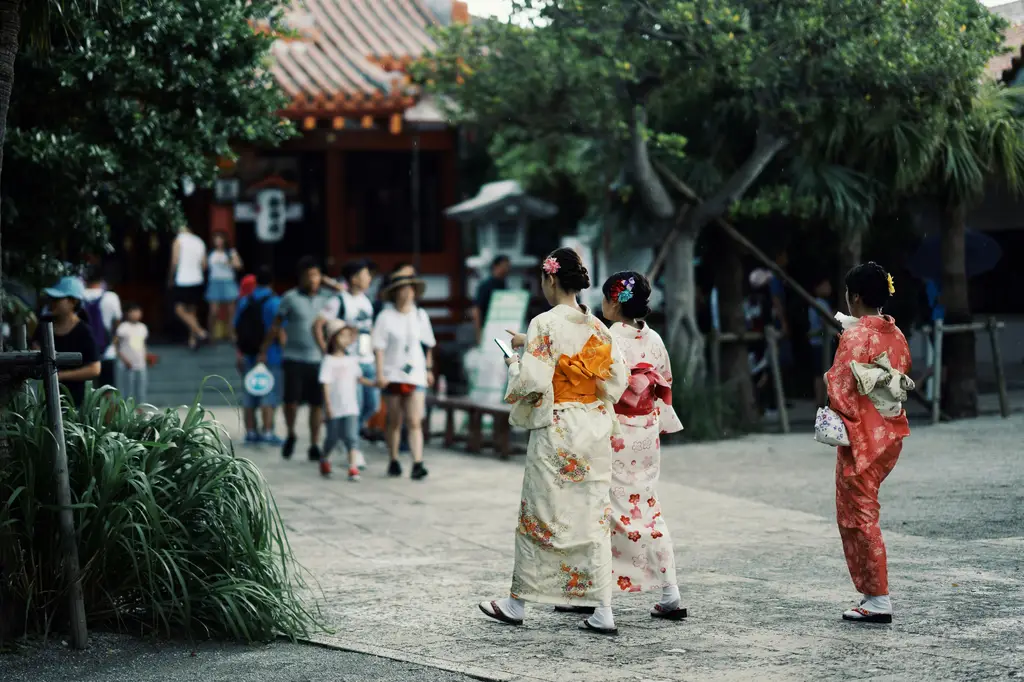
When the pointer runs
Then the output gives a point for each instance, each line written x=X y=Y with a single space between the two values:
x=772 y=337
x=937 y=371
x=715 y=340
x=66 y=517
x=997 y=358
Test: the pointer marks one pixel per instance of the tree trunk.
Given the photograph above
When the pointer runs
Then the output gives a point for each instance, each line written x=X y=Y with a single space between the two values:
x=736 y=379
x=10 y=25
x=685 y=342
x=961 y=392
x=850 y=254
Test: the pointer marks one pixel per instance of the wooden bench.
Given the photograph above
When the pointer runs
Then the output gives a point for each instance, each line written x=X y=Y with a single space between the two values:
x=501 y=439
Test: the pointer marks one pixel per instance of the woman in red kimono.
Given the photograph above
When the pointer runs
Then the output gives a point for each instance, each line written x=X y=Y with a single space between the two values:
x=875 y=440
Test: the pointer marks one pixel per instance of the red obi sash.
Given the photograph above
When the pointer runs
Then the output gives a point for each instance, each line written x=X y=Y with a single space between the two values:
x=645 y=386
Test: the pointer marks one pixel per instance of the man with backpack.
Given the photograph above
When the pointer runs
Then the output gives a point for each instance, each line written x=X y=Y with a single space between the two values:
x=103 y=310
x=254 y=316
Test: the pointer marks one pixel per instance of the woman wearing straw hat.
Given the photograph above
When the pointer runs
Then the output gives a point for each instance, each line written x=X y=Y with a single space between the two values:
x=403 y=342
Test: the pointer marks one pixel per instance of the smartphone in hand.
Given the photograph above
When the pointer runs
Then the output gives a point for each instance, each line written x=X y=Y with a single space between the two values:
x=504 y=347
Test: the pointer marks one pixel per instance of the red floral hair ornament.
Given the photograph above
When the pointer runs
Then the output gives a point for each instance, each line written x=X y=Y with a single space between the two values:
x=551 y=265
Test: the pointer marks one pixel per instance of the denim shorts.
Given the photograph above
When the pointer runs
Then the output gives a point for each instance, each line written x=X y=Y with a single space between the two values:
x=221 y=291
x=272 y=399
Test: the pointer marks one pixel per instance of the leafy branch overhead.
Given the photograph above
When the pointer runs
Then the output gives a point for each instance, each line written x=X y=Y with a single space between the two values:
x=129 y=99
x=722 y=91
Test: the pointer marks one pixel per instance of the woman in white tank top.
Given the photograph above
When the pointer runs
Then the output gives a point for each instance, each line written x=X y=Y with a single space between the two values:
x=185 y=280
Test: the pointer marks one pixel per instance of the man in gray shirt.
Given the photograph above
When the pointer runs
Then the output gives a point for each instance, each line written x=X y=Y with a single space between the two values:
x=301 y=354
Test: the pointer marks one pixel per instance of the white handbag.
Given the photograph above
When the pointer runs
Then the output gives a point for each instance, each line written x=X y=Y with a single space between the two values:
x=829 y=428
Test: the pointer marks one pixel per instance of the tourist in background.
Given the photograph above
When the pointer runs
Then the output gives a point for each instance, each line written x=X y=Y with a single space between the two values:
x=819 y=335
x=223 y=265
x=403 y=341
x=185 y=280
x=563 y=390
x=301 y=354
x=500 y=267
x=354 y=307
x=254 y=318
x=341 y=376
x=867 y=385
x=130 y=343
x=71 y=334
x=103 y=308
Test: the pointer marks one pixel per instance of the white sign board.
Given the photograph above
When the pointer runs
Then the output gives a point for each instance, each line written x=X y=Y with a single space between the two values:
x=488 y=373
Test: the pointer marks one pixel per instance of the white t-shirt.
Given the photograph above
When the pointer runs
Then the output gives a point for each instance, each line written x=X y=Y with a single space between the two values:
x=132 y=337
x=358 y=314
x=340 y=374
x=191 y=252
x=402 y=337
x=219 y=265
x=110 y=311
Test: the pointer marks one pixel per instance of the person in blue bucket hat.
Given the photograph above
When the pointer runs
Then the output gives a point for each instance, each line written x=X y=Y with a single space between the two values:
x=71 y=334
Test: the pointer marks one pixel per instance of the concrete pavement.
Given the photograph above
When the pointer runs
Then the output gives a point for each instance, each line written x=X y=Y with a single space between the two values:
x=403 y=564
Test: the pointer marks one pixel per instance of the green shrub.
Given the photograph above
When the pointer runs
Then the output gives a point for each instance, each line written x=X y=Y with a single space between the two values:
x=176 y=535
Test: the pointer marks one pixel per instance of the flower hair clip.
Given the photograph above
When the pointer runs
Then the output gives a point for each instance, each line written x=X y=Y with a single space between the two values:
x=551 y=265
x=623 y=290
x=891 y=283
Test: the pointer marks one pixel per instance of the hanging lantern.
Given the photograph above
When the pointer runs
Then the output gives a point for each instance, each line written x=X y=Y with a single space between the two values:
x=396 y=124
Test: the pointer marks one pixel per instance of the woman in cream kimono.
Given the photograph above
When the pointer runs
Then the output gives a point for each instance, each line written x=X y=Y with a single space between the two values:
x=867 y=385
x=564 y=390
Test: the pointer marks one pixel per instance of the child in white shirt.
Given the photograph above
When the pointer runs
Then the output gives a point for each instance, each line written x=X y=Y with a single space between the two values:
x=341 y=376
x=130 y=345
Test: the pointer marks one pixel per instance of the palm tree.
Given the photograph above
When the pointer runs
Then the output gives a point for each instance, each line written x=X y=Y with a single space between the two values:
x=984 y=145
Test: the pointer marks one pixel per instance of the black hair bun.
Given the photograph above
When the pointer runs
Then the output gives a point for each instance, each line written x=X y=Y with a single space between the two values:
x=572 y=275
x=637 y=305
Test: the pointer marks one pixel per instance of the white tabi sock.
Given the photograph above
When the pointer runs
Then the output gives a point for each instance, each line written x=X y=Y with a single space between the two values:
x=881 y=604
x=602 y=618
x=512 y=607
x=669 y=598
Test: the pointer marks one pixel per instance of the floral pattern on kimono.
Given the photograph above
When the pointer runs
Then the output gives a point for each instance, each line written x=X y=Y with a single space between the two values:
x=642 y=551
x=870 y=433
x=563 y=553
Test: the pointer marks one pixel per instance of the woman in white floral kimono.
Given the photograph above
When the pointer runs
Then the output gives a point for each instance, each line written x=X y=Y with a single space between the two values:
x=564 y=390
x=642 y=553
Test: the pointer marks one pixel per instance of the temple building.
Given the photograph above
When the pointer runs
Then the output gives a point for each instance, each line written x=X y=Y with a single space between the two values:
x=369 y=176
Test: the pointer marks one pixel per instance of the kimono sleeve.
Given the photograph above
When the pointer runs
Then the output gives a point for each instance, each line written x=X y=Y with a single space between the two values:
x=529 y=378
x=612 y=388
x=839 y=380
x=670 y=422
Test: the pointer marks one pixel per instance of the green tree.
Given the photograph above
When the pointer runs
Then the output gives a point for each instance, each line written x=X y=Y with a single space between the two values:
x=719 y=90
x=126 y=101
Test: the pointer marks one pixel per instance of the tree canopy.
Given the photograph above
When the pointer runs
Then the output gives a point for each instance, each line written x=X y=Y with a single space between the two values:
x=127 y=101
x=765 y=102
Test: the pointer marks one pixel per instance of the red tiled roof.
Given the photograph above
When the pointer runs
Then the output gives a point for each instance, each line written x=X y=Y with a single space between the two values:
x=1005 y=66
x=347 y=58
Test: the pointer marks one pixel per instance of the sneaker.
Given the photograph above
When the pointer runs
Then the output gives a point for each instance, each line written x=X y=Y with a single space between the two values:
x=419 y=472
x=394 y=468
x=314 y=453
x=251 y=438
x=271 y=438
x=360 y=461
x=325 y=467
x=353 y=474
x=288 y=448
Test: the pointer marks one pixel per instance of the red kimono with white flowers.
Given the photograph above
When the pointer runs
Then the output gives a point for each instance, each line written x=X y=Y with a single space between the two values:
x=875 y=445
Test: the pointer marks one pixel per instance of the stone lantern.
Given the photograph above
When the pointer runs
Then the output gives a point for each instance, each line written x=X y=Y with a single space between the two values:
x=500 y=214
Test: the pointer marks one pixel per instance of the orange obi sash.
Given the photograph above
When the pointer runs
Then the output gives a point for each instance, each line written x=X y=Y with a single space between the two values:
x=645 y=385
x=575 y=379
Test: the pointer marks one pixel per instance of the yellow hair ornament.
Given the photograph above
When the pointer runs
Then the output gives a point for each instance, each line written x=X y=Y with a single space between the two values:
x=892 y=285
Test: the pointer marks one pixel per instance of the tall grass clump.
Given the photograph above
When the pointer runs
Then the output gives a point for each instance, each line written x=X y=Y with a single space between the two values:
x=176 y=535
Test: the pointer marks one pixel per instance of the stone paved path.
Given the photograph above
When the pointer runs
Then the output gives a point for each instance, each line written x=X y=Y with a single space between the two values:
x=403 y=564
